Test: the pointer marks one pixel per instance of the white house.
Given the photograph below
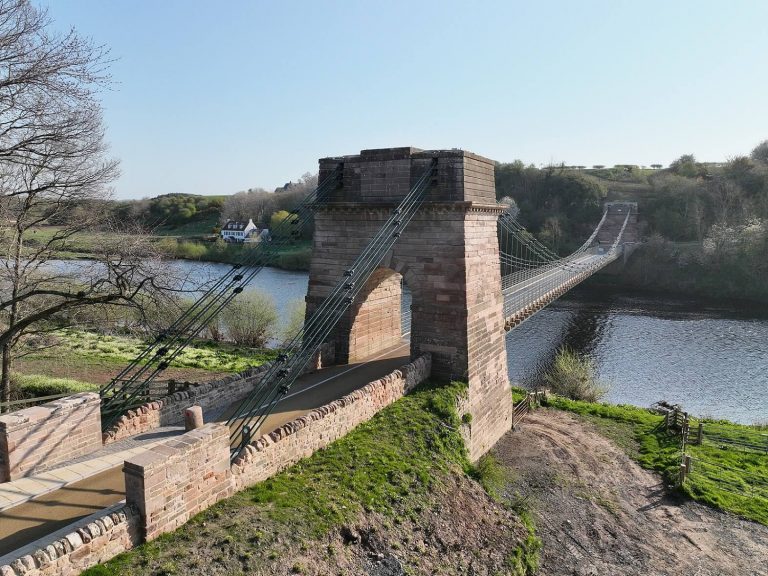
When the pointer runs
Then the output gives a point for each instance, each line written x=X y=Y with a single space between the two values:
x=234 y=231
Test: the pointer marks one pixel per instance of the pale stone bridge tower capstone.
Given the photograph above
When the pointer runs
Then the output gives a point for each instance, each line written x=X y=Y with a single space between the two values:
x=448 y=256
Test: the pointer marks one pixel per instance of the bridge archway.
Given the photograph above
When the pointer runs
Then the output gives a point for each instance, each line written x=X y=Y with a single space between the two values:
x=375 y=319
x=448 y=256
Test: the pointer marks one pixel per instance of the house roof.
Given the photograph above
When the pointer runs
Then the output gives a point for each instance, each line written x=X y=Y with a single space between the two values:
x=234 y=225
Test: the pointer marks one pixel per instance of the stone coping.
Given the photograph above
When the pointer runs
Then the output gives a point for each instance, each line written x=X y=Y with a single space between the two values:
x=61 y=533
x=26 y=416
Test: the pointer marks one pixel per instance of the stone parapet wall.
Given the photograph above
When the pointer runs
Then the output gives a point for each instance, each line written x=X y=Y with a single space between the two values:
x=94 y=543
x=302 y=437
x=173 y=481
x=169 y=411
x=38 y=438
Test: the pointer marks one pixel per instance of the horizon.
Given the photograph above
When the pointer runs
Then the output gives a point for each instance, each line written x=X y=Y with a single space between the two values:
x=257 y=100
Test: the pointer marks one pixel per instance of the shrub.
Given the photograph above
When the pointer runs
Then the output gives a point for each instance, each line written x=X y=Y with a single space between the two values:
x=191 y=250
x=296 y=312
x=36 y=385
x=250 y=319
x=573 y=376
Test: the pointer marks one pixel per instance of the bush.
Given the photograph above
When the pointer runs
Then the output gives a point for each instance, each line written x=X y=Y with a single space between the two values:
x=296 y=312
x=36 y=385
x=191 y=250
x=250 y=319
x=573 y=376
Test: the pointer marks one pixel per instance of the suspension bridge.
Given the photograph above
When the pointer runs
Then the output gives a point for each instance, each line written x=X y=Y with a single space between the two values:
x=384 y=219
x=428 y=218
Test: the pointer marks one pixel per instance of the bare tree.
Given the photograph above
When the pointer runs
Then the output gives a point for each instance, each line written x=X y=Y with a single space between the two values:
x=53 y=161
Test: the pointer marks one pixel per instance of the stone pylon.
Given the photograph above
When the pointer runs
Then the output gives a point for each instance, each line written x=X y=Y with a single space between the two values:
x=448 y=256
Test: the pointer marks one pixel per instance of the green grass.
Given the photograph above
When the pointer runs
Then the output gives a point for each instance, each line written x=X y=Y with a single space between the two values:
x=36 y=385
x=214 y=357
x=525 y=558
x=392 y=465
x=388 y=464
x=292 y=257
x=725 y=476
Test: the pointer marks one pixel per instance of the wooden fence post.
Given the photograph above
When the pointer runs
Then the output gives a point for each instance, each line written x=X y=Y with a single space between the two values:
x=681 y=477
x=688 y=464
x=700 y=434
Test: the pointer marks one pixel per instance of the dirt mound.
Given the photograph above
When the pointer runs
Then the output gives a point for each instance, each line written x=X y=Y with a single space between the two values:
x=599 y=513
x=459 y=531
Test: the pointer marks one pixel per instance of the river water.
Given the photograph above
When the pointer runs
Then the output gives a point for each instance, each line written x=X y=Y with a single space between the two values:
x=710 y=357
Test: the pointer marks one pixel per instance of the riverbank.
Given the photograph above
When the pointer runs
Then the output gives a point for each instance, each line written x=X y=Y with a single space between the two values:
x=191 y=246
x=597 y=511
x=706 y=355
x=686 y=270
x=730 y=464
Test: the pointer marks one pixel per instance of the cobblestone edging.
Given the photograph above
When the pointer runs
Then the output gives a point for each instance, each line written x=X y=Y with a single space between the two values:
x=97 y=541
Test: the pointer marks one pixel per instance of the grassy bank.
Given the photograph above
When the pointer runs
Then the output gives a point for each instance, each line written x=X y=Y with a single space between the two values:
x=391 y=474
x=730 y=468
x=294 y=257
x=192 y=242
x=83 y=361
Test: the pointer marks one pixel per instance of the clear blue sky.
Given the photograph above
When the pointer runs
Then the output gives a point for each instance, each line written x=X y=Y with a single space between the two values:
x=216 y=97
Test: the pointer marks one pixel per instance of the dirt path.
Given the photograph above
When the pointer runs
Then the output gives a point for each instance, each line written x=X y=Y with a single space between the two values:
x=599 y=513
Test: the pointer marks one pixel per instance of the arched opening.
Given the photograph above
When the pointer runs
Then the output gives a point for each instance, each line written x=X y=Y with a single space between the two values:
x=380 y=316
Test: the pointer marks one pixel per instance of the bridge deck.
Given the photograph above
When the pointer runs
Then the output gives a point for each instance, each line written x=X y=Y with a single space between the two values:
x=525 y=297
x=49 y=512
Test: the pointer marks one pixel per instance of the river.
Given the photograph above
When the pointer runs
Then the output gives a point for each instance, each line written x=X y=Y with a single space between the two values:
x=710 y=357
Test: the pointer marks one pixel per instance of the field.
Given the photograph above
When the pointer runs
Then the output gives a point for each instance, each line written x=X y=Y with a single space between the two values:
x=84 y=360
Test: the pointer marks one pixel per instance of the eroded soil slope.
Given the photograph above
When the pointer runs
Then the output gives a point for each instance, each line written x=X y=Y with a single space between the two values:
x=599 y=513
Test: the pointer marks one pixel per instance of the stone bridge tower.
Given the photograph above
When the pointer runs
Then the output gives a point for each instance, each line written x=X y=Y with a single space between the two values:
x=449 y=258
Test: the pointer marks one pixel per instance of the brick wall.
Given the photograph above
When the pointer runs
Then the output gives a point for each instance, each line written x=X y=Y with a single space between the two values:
x=376 y=323
x=448 y=256
x=302 y=437
x=490 y=400
x=170 y=410
x=175 y=480
x=38 y=438
x=96 y=542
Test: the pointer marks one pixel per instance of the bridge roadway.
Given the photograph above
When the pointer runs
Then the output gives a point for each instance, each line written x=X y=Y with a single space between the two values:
x=522 y=293
x=50 y=512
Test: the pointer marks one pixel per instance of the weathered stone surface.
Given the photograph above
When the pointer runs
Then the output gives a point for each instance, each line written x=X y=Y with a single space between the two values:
x=171 y=409
x=71 y=555
x=449 y=258
x=39 y=438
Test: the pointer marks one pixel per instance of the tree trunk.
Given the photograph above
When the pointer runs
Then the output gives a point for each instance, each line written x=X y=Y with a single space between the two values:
x=5 y=377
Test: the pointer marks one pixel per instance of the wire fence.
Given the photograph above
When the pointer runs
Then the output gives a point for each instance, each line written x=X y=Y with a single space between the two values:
x=707 y=457
x=531 y=401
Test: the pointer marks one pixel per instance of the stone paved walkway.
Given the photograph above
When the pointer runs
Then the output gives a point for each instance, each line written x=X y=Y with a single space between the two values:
x=25 y=489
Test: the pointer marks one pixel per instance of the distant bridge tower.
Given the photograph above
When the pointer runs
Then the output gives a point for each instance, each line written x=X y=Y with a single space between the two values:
x=449 y=258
